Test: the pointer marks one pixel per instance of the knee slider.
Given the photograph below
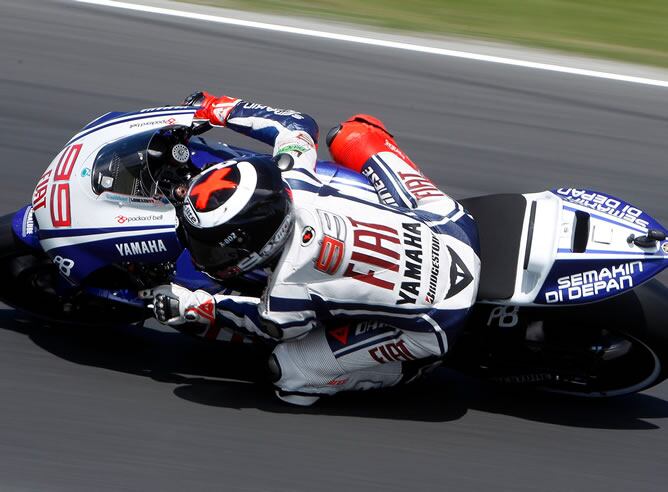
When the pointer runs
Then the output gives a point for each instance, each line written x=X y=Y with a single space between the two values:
x=354 y=141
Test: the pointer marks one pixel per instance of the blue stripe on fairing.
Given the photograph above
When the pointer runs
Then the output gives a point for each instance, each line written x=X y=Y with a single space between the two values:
x=306 y=172
x=353 y=185
x=619 y=222
x=144 y=116
x=341 y=353
x=649 y=256
x=297 y=184
x=56 y=233
x=112 y=115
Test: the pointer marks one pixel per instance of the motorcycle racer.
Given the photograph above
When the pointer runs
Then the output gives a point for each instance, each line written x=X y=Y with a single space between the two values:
x=360 y=294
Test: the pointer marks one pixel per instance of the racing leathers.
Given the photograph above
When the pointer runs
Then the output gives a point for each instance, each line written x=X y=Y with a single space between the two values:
x=373 y=280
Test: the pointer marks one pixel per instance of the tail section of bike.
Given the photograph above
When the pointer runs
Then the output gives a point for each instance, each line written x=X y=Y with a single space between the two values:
x=564 y=247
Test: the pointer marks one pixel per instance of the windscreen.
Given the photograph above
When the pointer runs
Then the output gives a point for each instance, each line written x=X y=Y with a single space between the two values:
x=118 y=166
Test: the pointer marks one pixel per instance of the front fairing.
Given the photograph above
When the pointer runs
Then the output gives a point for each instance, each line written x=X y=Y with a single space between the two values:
x=82 y=231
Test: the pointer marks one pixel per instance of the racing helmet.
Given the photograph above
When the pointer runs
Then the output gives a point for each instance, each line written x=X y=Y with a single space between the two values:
x=236 y=216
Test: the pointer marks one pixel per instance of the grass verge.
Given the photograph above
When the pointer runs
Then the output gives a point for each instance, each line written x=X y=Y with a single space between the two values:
x=626 y=30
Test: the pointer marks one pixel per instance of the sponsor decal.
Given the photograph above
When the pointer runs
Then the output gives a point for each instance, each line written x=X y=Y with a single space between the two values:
x=222 y=107
x=39 y=195
x=64 y=265
x=269 y=248
x=28 y=223
x=460 y=276
x=230 y=237
x=367 y=326
x=505 y=316
x=205 y=311
x=296 y=148
x=61 y=211
x=190 y=214
x=409 y=290
x=122 y=219
x=143 y=200
x=664 y=247
x=391 y=352
x=330 y=256
x=594 y=282
x=393 y=148
x=331 y=251
x=59 y=206
x=379 y=185
x=85 y=172
x=435 y=268
x=337 y=382
x=340 y=334
x=276 y=111
x=164 y=108
x=135 y=248
x=604 y=204
x=374 y=246
x=141 y=124
x=307 y=235
x=419 y=186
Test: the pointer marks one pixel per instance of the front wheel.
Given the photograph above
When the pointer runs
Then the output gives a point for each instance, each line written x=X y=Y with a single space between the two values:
x=31 y=283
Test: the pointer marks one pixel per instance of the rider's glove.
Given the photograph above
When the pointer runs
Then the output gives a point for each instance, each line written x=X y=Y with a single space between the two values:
x=213 y=109
x=174 y=305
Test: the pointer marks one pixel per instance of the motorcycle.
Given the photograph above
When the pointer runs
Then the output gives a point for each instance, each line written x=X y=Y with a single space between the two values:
x=566 y=300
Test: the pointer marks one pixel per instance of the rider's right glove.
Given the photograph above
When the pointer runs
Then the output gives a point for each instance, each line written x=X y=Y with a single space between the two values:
x=174 y=305
x=213 y=109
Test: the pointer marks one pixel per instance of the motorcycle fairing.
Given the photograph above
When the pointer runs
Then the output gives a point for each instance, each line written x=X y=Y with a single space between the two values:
x=25 y=228
x=576 y=247
x=85 y=229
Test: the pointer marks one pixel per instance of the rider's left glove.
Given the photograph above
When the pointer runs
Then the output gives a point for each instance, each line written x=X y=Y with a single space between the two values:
x=174 y=305
x=213 y=109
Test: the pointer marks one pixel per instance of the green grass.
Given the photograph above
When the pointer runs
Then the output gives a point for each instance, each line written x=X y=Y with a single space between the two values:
x=628 y=30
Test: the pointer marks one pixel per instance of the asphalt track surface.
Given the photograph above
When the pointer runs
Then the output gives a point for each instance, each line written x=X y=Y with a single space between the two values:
x=147 y=409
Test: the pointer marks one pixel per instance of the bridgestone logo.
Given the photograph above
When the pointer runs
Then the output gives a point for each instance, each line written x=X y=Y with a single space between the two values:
x=141 y=247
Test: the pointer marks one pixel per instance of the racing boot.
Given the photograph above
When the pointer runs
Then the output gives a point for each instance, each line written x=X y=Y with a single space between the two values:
x=356 y=140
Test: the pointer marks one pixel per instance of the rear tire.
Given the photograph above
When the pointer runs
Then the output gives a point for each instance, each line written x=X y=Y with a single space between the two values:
x=611 y=348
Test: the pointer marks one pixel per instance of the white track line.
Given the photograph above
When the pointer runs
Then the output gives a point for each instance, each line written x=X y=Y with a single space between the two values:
x=377 y=42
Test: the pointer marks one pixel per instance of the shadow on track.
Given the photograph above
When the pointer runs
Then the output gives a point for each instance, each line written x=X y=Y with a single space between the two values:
x=232 y=376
